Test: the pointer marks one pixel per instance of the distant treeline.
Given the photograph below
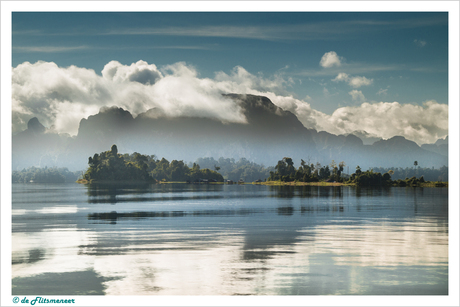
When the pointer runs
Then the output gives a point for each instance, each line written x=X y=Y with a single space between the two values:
x=242 y=169
x=370 y=178
x=429 y=174
x=307 y=172
x=286 y=172
x=45 y=175
x=111 y=166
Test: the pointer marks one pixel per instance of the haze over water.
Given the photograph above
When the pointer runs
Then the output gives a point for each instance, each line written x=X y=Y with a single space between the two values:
x=174 y=239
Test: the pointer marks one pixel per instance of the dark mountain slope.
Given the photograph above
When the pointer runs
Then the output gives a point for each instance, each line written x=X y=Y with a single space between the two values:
x=269 y=135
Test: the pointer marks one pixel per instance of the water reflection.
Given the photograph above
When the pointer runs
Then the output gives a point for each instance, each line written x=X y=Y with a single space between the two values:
x=113 y=216
x=288 y=210
x=306 y=191
x=372 y=191
x=232 y=240
x=31 y=256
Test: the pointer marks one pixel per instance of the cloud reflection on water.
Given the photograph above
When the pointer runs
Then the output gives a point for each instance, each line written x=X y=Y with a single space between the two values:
x=286 y=243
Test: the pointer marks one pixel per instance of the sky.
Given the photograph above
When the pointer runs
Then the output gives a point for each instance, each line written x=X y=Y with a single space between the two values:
x=340 y=72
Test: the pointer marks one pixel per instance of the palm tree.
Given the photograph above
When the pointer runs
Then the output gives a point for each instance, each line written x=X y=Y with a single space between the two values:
x=415 y=164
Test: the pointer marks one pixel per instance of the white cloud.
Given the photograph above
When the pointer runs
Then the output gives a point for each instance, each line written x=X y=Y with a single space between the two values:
x=330 y=59
x=341 y=77
x=355 y=82
x=43 y=88
x=357 y=95
x=422 y=124
x=60 y=97
x=140 y=72
x=382 y=91
x=241 y=81
x=359 y=81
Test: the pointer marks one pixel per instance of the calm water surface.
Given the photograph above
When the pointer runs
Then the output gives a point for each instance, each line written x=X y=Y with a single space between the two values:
x=174 y=239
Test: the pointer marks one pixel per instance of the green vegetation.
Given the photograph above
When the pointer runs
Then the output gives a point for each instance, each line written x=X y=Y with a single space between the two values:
x=44 y=175
x=371 y=178
x=307 y=172
x=286 y=173
x=430 y=174
x=110 y=166
x=235 y=170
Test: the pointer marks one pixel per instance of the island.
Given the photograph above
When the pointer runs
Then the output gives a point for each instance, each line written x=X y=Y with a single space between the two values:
x=113 y=167
x=331 y=175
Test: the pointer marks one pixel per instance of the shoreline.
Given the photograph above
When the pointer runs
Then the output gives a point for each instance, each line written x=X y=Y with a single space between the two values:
x=432 y=184
x=298 y=183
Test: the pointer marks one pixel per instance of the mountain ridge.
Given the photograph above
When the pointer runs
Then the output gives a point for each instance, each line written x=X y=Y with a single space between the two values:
x=270 y=134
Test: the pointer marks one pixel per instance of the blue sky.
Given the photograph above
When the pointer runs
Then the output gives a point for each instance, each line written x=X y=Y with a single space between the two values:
x=312 y=64
x=404 y=53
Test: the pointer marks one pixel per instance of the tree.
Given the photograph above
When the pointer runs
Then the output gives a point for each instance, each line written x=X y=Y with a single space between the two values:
x=386 y=177
x=302 y=164
x=111 y=166
x=341 y=167
x=114 y=150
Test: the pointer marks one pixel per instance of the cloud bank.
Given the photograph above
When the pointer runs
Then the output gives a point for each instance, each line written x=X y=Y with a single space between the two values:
x=61 y=96
x=422 y=124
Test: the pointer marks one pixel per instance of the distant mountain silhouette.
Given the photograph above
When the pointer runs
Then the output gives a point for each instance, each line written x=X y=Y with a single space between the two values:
x=37 y=146
x=399 y=151
x=366 y=137
x=35 y=127
x=441 y=146
x=269 y=135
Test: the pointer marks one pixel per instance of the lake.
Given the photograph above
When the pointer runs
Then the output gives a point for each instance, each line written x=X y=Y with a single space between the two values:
x=185 y=239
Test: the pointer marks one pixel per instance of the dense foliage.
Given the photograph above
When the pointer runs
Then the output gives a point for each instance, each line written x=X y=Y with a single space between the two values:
x=179 y=171
x=44 y=175
x=112 y=166
x=430 y=174
x=371 y=178
x=285 y=171
x=307 y=172
x=235 y=170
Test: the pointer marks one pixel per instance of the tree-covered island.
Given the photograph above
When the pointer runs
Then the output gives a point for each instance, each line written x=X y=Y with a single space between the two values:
x=113 y=167
x=309 y=173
